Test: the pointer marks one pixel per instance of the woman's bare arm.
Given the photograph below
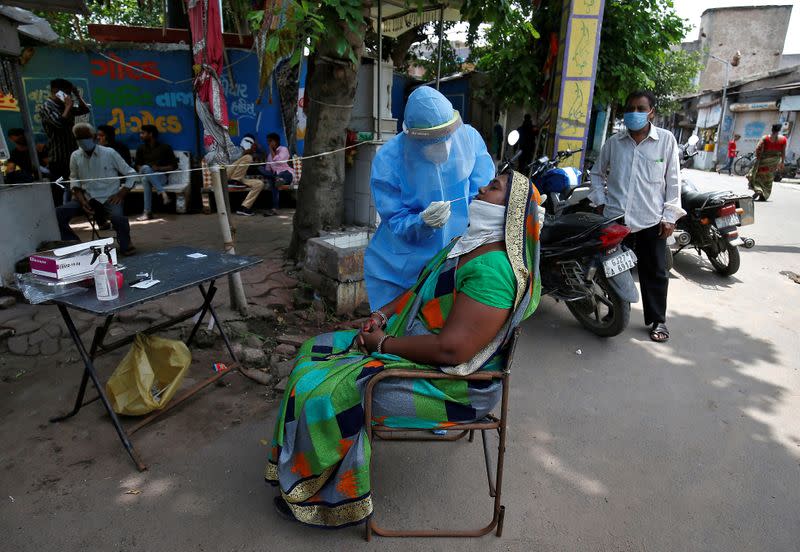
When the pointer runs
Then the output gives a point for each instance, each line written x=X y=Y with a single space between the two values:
x=470 y=326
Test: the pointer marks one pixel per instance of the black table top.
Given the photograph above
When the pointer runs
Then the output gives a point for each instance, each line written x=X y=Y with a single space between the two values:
x=175 y=270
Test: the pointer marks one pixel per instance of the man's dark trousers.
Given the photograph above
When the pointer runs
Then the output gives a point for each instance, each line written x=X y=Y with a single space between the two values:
x=651 y=252
x=119 y=221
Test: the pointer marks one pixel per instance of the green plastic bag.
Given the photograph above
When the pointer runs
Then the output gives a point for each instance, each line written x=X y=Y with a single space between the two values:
x=149 y=375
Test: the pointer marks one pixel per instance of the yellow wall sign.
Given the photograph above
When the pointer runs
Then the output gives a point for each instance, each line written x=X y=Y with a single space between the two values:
x=588 y=7
x=577 y=68
x=8 y=102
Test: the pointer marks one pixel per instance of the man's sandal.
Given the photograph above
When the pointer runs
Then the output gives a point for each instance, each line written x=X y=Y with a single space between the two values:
x=659 y=332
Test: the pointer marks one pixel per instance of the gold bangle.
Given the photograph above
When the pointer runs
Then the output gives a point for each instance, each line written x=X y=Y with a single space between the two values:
x=383 y=317
x=379 y=349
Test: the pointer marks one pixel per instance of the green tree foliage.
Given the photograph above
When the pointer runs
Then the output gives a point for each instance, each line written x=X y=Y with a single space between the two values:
x=71 y=27
x=508 y=52
x=675 y=76
x=636 y=50
x=426 y=53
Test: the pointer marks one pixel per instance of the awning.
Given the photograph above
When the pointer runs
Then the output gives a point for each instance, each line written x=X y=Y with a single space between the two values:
x=790 y=103
x=398 y=16
x=30 y=25
x=69 y=6
x=754 y=106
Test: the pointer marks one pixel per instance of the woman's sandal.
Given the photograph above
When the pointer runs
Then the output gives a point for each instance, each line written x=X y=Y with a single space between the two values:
x=659 y=332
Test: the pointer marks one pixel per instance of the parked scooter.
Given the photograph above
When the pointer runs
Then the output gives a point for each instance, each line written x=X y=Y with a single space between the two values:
x=688 y=151
x=582 y=259
x=711 y=226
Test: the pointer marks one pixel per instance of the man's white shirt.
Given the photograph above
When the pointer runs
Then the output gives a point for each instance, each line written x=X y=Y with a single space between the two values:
x=102 y=163
x=642 y=180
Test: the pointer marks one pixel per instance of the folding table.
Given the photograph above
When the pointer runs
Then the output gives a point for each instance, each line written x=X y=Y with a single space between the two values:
x=178 y=268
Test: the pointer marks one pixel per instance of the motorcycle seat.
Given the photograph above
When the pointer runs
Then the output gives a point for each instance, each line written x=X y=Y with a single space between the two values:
x=568 y=226
x=695 y=200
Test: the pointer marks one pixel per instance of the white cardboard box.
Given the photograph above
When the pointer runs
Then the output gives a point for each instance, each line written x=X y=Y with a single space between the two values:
x=71 y=261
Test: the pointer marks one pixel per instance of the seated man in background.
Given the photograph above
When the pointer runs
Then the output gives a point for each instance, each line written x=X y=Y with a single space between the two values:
x=106 y=136
x=19 y=167
x=153 y=157
x=277 y=168
x=237 y=173
x=94 y=178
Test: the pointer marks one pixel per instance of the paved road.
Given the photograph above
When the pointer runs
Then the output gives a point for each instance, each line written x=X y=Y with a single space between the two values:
x=692 y=445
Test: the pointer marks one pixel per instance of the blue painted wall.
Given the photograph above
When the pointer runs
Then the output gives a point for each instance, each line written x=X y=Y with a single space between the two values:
x=128 y=99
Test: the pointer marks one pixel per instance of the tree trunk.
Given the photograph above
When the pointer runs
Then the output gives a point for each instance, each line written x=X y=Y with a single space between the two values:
x=331 y=90
x=288 y=84
x=403 y=44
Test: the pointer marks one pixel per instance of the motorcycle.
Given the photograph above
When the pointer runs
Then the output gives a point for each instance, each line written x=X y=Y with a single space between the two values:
x=711 y=226
x=582 y=259
x=791 y=169
x=688 y=151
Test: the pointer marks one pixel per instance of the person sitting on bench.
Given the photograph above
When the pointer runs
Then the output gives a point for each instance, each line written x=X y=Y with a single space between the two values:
x=106 y=136
x=153 y=157
x=94 y=177
x=237 y=175
x=277 y=168
x=457 y=317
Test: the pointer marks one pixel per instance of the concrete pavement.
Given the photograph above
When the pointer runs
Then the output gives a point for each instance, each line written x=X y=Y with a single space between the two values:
x=693 y=445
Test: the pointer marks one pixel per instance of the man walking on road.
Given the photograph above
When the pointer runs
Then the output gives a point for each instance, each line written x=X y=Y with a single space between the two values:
x=731 y=154
x=638 y=176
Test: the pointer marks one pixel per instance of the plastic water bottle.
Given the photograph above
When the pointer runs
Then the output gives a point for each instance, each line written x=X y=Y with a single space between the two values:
x=105 y=279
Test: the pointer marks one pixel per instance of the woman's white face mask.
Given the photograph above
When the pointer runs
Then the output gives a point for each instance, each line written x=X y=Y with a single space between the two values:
x=487 y=223
x=439 y=152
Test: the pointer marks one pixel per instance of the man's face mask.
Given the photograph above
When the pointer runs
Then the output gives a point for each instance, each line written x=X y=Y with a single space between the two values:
x=437 y=153
x=87 y=144
x=635 y=120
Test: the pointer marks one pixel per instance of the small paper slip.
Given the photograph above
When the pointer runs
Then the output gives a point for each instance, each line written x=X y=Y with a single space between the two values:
x=196 y=255
x=146 y=284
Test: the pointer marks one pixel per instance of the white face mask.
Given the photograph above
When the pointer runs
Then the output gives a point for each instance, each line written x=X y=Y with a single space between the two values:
x=437 y=153
x=487 y=222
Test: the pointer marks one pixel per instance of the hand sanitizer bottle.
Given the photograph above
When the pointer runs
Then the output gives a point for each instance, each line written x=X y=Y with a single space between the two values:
x=105 y=279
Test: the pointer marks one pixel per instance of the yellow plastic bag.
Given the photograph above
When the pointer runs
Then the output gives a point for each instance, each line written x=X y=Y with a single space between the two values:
x=149 y=375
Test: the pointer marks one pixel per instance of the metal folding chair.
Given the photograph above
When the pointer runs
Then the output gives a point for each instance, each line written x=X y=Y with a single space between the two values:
x=489 y=423
x=95 y=230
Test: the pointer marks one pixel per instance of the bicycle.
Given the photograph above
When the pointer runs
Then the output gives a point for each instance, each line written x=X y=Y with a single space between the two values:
x=744 y=163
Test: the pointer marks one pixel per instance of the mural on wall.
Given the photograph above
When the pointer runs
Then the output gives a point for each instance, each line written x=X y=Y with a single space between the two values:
x=241 y=92
x=147 y=87
x=37 y=90
x=755 y=130
x=8 y=103
x=128 y=99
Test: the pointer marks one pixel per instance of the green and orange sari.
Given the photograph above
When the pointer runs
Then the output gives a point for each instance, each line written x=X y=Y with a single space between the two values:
x=320 y=455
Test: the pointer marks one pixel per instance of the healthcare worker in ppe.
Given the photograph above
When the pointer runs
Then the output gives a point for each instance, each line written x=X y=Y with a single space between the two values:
x=422 y=181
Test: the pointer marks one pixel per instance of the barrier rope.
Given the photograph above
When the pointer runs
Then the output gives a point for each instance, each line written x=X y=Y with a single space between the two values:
x=177 y=171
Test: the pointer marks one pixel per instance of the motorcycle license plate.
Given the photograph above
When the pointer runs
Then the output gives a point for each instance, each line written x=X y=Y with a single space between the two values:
x=726 y=221
x=618 y=263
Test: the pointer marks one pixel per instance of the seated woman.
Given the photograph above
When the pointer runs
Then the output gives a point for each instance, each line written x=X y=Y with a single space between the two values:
x=456 y=318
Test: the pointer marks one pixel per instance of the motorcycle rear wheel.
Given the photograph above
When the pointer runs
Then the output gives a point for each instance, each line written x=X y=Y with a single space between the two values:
x=726 y=262
x=604 y=322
